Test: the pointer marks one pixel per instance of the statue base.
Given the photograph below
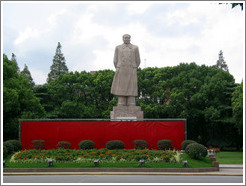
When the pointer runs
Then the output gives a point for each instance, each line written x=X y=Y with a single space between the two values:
x=126 y=113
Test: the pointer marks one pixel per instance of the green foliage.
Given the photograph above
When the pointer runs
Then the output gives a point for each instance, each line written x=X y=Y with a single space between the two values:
x=196 y=151
x=63 y=145
x=38 y=144
x=5 y=151
x=27 y=73
x=19 y=101
x=237 y=107
x=115 y=144
x=79 y=95
x=185 y=143
x=17 y=146
x=164 y=144
x=10 y=147
x=86 y=144
x=59 y=65
x=140 y=144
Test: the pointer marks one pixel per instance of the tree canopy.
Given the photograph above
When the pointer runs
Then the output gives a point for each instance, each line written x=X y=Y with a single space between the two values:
x=19 y=101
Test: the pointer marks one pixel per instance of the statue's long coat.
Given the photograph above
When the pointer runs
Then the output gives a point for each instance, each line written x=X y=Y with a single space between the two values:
x=126 y=62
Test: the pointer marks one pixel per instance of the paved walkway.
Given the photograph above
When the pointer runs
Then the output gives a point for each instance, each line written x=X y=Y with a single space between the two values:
x=225 y=170
x=231 y=166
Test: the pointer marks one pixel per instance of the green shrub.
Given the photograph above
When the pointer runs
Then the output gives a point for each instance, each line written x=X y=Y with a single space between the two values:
x=38 y=144
x=165 y=144
x=140 y=144
x=63 y=145
x=185 y=143
x=115 y=144
x=196 y=151
x=16 y=144
x=9 y=146
x=86 y=144
x=5 y=151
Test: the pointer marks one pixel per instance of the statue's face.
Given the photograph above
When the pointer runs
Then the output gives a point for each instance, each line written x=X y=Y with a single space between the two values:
x=126 y=39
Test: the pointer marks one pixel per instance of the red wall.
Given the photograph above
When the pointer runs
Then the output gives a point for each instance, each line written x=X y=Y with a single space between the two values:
x=101 y=132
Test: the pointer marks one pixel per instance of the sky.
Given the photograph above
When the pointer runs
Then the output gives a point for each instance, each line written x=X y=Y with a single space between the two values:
x=167 y=33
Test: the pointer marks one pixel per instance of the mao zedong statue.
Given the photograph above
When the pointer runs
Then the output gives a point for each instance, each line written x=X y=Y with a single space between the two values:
x=126 y=62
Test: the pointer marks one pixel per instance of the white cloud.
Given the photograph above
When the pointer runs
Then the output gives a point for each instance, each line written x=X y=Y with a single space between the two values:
x=26 y=34
x=53 y=18
x=217 y=27
x=138 y=7
x=30 y=33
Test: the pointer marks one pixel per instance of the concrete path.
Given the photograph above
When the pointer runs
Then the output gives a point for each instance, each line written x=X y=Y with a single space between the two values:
x=231 y=166
x=225 y=170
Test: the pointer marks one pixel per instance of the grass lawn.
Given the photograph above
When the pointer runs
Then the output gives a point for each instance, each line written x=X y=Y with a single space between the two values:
x=229 y=157
x=205 y=163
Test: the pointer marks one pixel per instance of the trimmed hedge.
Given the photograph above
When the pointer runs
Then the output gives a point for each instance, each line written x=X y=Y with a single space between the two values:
x=196 y=151
x=140 y=144
x=86 y=144
x=5 y=151
x=38 y=144
x=185 y=143
x=165 y=144
x=10 y=147
x=63 y=145
x=16 y=144
x=115 y=144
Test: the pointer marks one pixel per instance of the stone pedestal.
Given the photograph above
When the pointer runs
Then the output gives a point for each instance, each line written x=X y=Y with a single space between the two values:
x=126 y=113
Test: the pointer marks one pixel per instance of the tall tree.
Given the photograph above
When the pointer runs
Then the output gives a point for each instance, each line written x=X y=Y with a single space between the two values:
x=221 y=64
x=27 y=73
x=13 y=58
x=19 y=101
x=59 y=65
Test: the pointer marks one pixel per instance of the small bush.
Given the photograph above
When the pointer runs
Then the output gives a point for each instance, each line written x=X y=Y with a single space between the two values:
x=140 y=144
x=38 y=144
x=165 y=144
x=5 y=151
x=196 y=151
x=86 y=144
x=185 y=143
x=115 y=144
x=16 y=144
x=63 y=145
x=9 y=146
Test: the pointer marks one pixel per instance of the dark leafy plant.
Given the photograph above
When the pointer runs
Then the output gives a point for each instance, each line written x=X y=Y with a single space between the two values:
x=140 y=144
x=16 y=144
x=63 y=145
x=38 y=144
x=86 y=144
x=5 y=151
x=115 y=144
x=196 y=151
x=185 y=143
x=165 y=144
x=9 y=146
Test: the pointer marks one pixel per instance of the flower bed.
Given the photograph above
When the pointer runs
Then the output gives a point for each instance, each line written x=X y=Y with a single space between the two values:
x=69 y=155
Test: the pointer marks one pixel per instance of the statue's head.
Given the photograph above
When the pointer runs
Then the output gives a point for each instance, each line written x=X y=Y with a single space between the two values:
x=126 y=38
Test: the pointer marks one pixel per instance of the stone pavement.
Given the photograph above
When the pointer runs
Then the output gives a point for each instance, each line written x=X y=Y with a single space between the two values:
x=225 y=170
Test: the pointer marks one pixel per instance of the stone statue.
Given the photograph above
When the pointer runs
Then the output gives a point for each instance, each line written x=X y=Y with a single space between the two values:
x=126 y=62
